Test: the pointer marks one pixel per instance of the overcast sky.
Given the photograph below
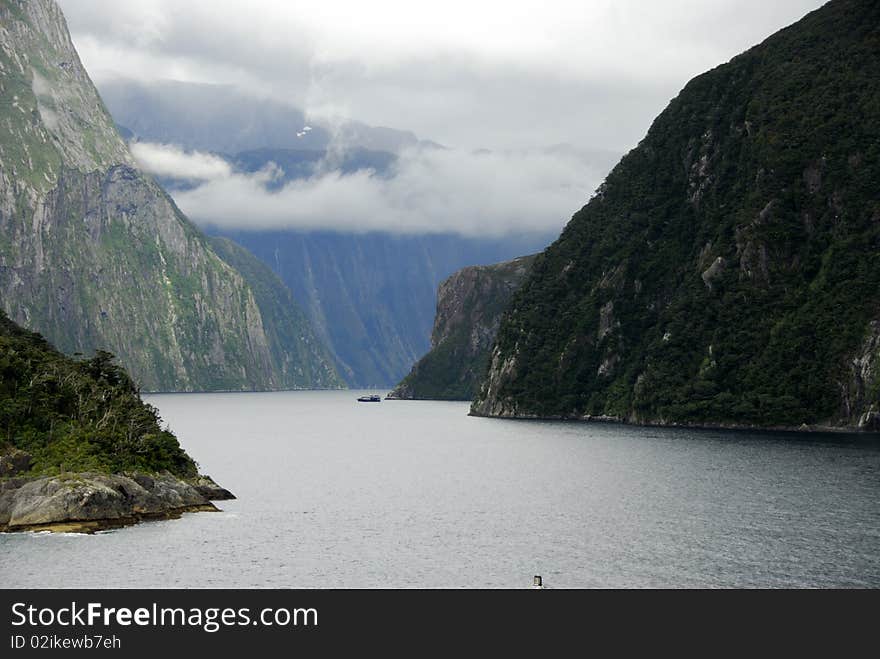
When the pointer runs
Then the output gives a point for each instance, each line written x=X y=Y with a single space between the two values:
x=507 y=76
x=466 y=73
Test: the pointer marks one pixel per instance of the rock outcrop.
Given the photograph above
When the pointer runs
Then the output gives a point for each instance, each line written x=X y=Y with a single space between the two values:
x=470 y=304
x=206 y=486
x=89 y=502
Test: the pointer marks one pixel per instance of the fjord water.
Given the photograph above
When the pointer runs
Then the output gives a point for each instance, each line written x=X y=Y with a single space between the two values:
x=335 y=493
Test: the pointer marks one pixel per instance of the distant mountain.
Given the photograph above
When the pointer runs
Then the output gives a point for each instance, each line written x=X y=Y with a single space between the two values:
x=469 y=308
x=371 y=297
x=206 y=117
x=299 y=164
x=299 y=355
x=727 y=271
x=94 y=254
x=219 y=118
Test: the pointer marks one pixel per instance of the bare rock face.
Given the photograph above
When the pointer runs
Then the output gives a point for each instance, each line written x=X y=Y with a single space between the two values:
x=470 y=304
x=860 y=407
x=713 y=271
x=491 y=401
x=87 y=502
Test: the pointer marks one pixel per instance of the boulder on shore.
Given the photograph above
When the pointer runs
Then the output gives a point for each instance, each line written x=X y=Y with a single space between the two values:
x=206 y=486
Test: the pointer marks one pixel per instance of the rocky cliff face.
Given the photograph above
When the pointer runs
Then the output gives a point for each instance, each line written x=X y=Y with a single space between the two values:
x=469 y=308
x=301 y=358
x=93 y=253
x=726 y=271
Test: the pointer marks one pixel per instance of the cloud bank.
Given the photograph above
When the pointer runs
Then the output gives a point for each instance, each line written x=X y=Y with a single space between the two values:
x=512 y=76
x=467 y=74
x=429 y=191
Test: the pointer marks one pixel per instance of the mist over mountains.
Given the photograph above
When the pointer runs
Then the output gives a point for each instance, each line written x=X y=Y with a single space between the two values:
x=361 y=223
x=245 y=163
x=222 y=118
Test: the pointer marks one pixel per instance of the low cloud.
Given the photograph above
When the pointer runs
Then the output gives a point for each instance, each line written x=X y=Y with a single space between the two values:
x=461 y=73
x=173 y=162
x=428 y=191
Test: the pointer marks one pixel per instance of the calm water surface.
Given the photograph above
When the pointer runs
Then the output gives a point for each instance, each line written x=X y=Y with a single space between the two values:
x=333 y=493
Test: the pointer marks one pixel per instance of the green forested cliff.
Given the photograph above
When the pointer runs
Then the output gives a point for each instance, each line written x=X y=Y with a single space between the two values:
x=469 y=307
x=728 y=270
x=93 y=254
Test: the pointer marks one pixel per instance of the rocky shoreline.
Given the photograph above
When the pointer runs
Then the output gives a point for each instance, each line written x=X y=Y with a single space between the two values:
x=869 y=427
x=89 y=502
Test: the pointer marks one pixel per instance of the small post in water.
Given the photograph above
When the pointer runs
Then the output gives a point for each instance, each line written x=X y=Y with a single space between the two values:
x=537 y=582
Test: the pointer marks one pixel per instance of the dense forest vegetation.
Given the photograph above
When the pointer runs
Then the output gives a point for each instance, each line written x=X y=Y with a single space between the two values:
x=728 y=270
x=78 y=414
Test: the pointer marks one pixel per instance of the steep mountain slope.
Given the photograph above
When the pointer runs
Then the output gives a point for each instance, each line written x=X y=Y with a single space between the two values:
x=469 y=308
x=728 y=271
x=371 y=297
x=303 y=361
x=93 y=253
